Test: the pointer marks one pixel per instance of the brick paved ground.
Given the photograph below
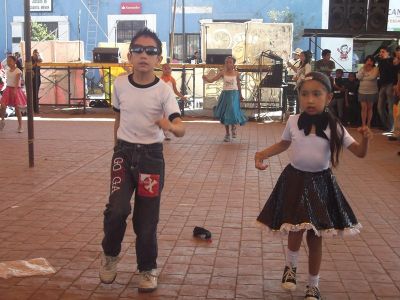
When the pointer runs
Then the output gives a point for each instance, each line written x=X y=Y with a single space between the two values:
x=55 y=211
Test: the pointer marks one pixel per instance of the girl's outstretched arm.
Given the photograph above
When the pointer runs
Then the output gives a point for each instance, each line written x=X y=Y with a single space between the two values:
x=215 y=78
x=268 y=152
x=360 y=148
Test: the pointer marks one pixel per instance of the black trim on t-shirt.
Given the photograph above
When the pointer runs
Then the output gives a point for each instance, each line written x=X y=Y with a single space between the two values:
x=174 y=116
x=116 y=109
x=142 y=86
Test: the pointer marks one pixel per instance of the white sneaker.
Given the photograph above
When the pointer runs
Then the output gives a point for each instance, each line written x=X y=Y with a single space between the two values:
x=148 y=281
x=227 y=138
x=108 y=268
x=2 y=124
x=20 y=130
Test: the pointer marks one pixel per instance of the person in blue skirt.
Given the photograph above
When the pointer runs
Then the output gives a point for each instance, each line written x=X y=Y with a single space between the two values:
x=228 y=106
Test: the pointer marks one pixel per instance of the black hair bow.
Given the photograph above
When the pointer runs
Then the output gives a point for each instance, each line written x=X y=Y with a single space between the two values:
x=320 y=121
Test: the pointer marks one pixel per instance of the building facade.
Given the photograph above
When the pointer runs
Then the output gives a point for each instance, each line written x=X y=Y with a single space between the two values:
x=113 y=22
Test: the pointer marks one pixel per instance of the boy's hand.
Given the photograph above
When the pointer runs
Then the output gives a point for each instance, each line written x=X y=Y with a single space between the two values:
x=259 y=162
x=164 y=124
x=365 y=132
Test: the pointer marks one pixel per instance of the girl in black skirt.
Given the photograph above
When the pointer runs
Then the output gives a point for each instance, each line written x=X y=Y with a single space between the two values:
x=306 y=196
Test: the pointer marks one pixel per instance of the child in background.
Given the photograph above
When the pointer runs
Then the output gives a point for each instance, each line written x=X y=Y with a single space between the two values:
x=351 y=100
x=306 y=196
x=170 y=81
x=13 y=94
x=337 y=104
x=228 y=108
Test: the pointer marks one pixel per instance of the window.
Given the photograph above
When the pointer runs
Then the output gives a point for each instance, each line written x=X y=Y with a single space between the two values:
x=52 y=27
x=127 y=29
x=192 y=45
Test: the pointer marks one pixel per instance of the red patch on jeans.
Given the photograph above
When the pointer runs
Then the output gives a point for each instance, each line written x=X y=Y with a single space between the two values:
x=149 y=185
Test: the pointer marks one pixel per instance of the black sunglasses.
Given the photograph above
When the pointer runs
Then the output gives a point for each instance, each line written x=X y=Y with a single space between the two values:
x=150 y=50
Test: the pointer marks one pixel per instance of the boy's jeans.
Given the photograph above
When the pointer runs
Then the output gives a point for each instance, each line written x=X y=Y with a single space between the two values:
x=385 y=105
x=135 y=168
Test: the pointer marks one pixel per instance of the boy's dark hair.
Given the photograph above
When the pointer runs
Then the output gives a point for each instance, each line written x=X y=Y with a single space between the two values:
x=351 y=74
x=384 y=48
x=337 y=131
x=230 y=57
x=307 y=58
x=147 y=33
x=325 y=52
x=370 y=57
x=339 y=70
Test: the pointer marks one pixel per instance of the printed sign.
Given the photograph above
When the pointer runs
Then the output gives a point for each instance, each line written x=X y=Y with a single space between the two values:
x=394 y=16
x=41 y=5
x=131 y=7
x=341 y=51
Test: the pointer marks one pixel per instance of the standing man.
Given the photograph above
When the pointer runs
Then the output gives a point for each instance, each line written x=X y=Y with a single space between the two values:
x=36 y=81
x=294 y=62
x=387 y=77
x=325 y=65
x=144 y=106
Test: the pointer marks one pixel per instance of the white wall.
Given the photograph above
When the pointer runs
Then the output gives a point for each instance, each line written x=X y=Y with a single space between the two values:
x=17 y=28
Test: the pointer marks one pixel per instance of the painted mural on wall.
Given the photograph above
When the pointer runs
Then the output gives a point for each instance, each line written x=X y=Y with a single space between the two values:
x=248 y=40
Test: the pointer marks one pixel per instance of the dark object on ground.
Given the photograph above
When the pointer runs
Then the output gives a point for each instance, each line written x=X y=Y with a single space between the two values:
x=99 y=103
x=202 y=233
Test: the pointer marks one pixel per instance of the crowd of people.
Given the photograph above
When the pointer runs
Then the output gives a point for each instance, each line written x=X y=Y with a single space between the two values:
x=374 y=88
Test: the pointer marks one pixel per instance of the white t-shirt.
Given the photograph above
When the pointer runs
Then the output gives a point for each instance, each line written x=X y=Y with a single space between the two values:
x=140 y=107
x=310 y=153
x=11 y=77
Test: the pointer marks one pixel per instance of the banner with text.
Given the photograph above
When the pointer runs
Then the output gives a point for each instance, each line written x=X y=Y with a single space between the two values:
x=41 y=5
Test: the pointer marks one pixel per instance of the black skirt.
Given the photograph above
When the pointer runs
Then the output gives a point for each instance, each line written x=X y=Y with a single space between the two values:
x=307 y=200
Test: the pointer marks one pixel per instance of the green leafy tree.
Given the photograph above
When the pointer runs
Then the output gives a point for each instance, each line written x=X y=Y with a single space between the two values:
x=287 y=16
x=40 y=32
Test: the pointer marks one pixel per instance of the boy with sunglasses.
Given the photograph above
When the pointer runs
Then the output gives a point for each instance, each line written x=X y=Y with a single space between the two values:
x=140 y=101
